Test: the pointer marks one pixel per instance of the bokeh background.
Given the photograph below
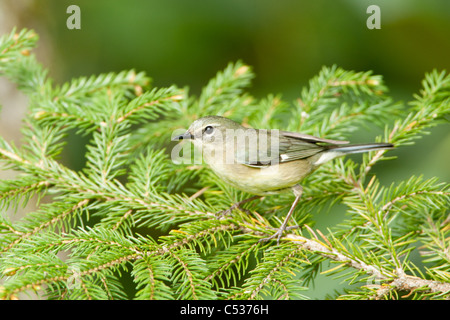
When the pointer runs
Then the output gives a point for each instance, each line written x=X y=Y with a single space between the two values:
x=286 y=42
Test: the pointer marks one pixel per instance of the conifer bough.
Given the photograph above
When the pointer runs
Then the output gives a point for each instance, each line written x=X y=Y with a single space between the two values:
x=131 y=213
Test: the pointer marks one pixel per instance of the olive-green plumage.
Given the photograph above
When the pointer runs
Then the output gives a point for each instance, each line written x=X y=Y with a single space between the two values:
x=264 y=162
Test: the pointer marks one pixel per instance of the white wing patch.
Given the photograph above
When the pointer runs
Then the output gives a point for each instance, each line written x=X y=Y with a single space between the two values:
x=327 y=156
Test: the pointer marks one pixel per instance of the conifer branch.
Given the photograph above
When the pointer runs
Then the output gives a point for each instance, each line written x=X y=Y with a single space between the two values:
x=395 y=281
x=132 y=210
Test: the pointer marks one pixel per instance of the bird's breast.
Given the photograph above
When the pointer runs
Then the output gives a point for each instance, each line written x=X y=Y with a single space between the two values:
x=265 y=180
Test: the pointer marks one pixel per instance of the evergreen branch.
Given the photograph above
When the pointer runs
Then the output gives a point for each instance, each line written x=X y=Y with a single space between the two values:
x=199 y=234
x=412 y=284
x=83 y=86
x=11 y=290
x=46 y=221
x=229 y=261
x=112 y=191
x=131 y=210
x=138 y=108
x=268 y=271
x=324 y=90
x=223 y=89
x=19 y=65
x=436 y=239
x=13 y=191
x=151 y=274
x=416 y=187
x=16 y=45
x=427 y=110
x=397 y=281
x=188 y=274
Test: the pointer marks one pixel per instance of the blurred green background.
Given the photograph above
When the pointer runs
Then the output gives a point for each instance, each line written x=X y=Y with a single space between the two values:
x=286 y=42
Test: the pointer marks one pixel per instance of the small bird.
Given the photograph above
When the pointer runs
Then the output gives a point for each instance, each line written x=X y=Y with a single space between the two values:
x=265 y=162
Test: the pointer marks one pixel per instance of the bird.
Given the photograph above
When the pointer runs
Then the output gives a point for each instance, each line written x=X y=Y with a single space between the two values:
x=265 y=161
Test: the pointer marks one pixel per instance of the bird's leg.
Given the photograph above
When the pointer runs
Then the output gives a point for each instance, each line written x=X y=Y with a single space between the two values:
x=298 y=190
x=222 y=213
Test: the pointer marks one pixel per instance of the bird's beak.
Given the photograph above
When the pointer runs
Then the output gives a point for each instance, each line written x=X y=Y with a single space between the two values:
x=185 y=136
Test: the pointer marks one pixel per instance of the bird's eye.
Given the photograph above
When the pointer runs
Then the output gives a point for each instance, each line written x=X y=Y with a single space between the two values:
x=208 y=130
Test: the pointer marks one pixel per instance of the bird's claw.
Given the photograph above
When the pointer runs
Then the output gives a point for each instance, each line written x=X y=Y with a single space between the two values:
x=278 y=234
x=237 y=205
x=219 y=215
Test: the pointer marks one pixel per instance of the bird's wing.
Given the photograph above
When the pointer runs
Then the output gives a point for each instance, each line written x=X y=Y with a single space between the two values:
x=280 y=147
x=309 y=138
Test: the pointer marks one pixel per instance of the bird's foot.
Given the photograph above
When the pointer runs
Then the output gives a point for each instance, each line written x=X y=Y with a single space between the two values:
x=222 y=213
x=278 y=234
x=237 y=205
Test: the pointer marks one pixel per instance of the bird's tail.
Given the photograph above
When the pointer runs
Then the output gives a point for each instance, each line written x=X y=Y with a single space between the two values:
x=334 y=151
x=358 y=148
